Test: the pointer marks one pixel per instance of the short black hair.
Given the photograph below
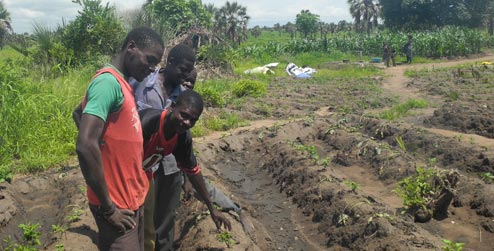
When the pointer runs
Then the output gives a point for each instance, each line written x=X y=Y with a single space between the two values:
x=144 y=37
x=190 y=98
x=181 y=52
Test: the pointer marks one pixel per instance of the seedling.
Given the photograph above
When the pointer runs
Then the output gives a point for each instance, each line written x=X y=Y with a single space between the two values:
x=416 y=190
x=452 y=246
x=354 y=186
x=60 y=247
x=226 y=237
x=30 y=234
x=487 y=177
x=343 y=219
x=58 y=229
x=75 y=215
x=401 y=144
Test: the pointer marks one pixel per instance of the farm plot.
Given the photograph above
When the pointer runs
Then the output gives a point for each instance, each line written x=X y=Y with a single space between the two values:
x=326 y=173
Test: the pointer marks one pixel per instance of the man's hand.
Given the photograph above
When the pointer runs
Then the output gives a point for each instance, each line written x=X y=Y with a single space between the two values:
x=188 y=189
x=122 y=219
x=219 y=219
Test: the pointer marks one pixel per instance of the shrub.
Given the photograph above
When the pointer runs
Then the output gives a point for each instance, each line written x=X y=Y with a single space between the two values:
x=248 y=87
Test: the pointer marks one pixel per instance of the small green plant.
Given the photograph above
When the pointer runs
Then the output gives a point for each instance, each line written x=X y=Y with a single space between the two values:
x=226 y=237
x=30 y=234
x=58 y=230
x=354 y=186
x=452 y=246
x=60 y=247
x=416 y=191
x=260 y=137
x=6 y=174
x=343 y=219
x=401 y=144
x=75 y=215
x=487 y=177
x=325 y=162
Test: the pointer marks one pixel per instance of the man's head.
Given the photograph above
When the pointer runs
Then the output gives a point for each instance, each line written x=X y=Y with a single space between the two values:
x=186 y=111
x=141 y=50
x=179 y=64
x=190 y=80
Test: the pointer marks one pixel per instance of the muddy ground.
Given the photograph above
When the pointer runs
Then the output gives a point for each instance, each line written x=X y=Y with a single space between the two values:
x=316 y=168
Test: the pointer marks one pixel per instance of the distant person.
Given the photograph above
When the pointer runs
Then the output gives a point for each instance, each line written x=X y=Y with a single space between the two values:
x=393 y=55
x=109 y=143
x=386 y=54
x=408 y=49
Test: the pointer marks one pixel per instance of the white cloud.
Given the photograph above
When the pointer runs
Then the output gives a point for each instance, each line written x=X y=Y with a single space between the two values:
x=51 y=12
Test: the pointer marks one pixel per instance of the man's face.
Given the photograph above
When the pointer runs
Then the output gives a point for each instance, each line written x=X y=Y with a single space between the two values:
x=141 y=62
x=184 y=117
x=176 y=73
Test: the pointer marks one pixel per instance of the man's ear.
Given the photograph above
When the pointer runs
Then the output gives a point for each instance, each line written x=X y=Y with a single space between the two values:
x=131 y=45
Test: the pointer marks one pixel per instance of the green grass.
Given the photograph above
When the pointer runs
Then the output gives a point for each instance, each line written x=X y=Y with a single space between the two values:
x=36 y=117
x=403 y=109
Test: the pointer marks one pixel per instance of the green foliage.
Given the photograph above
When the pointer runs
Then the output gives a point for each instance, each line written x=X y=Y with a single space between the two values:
x=6 y=174
x=416 y=190
x=75 y=215
x=35 y=117
x=224 y=121
x=212 y=97
x=30 y=234
x=247 y=87
x=58 y=229
x=452 y=246
x=306 y=22
x=177 y=16
x=96 y=30
x=227 y=238
x=403 y=109
x=354 y=186
x=487 y=177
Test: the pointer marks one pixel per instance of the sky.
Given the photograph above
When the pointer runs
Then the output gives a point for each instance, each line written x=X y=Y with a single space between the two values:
x=24 y=13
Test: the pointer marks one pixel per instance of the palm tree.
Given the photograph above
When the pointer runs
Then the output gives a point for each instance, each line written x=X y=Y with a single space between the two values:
x=231 y=20
x=5 y=26
x=365 y=14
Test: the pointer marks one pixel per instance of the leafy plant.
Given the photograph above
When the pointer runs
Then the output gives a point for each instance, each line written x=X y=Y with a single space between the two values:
x=354 y=186
x=343 y=219
x=487 y=177
x=58 y=229
x=416 y=190
x=75 y=215
x=60 y=247
x=247 y=87
x=452 y=246
x=401 y=144
x=30 y=234
x=226 y=237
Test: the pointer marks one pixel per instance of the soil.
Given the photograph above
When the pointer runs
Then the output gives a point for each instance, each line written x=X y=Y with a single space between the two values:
x=320 y=173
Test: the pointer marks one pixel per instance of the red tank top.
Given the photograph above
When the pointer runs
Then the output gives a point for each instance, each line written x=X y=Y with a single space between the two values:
x=122 y=152
x=157 y=146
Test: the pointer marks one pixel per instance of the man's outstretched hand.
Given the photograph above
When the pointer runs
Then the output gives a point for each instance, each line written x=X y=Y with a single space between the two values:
x=220 y=220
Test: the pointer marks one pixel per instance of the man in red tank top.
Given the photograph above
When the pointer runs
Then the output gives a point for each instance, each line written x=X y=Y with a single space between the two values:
x=109 y=143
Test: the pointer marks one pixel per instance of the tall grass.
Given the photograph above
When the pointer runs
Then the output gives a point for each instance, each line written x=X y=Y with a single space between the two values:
x=36 y=117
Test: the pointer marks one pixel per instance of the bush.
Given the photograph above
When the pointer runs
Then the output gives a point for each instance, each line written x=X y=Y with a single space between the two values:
x=248 y=87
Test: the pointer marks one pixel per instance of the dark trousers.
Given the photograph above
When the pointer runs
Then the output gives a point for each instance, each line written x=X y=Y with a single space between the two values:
x=168 y=189
x=110 y=239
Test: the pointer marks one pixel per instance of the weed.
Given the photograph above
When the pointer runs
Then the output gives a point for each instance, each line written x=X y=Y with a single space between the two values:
x=354 y=186
x=6 y=174
x=247 y=87
x=325 y=162
x=401 y=144
x=452 y=246
x=487 y=177
x=260 y=137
